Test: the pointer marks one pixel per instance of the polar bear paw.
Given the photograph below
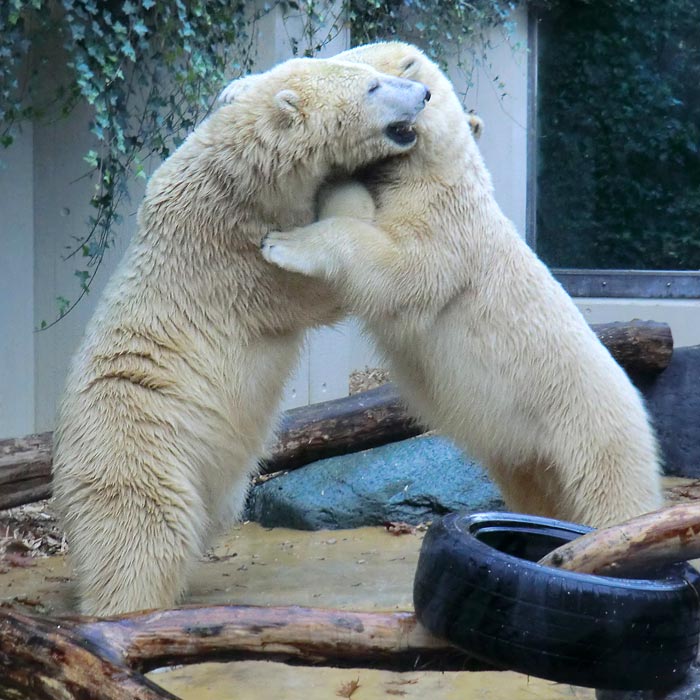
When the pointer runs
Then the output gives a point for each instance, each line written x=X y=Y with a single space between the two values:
x=294 y=251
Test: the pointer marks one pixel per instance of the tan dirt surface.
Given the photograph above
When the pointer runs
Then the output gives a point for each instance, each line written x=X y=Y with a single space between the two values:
x=262 y=680
x=363 y=569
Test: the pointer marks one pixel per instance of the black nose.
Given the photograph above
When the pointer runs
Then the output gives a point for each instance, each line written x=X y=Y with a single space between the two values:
x=427 y=95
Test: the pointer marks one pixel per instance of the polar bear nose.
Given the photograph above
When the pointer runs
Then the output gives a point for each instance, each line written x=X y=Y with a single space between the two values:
x=427 y=96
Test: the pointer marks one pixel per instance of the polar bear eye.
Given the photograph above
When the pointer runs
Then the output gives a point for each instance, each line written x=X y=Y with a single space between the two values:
x=408 y=66
x=373 y=87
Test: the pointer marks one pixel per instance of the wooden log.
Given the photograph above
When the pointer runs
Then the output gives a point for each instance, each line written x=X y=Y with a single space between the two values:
x=193 y=634
x=350 y=424
x=638 y=346
x=655 y=539
x=49 y=660
x=25 y=469
x=95 y=659
x=367 y=419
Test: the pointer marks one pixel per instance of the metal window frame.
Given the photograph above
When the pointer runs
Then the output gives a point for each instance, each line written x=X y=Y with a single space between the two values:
x=644 y=284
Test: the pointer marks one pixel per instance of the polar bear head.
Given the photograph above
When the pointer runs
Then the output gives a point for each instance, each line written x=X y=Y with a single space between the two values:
x=332 y=112
x=443 y=123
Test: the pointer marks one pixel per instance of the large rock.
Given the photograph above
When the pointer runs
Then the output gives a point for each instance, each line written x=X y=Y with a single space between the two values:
x=410 y=481
x=417 y=479
x=673 y=399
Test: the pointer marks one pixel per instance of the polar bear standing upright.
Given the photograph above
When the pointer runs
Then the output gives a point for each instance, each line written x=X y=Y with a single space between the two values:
x=480 y=337
x=172 y=394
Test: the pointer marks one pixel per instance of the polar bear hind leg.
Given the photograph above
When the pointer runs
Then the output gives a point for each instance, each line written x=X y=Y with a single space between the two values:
x=528 y=488
x=133 y=512
x=150 y=553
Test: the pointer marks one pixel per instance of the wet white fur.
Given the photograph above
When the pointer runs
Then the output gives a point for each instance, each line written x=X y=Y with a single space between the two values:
x=482 y=340
x=174 y=389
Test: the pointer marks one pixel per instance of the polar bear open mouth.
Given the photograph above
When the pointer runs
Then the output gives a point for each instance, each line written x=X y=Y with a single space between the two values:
x=401 y=133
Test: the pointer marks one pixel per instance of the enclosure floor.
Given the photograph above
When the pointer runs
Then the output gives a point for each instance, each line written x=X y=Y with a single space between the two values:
x=364 y=569
x=262 y=680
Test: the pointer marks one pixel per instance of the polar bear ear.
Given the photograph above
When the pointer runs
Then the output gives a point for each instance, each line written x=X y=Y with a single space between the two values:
x=288 y=101
x=476 y=124
x=409 y=67
x=238 y=87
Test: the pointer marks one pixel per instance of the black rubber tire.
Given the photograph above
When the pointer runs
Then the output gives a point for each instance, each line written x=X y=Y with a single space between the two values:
x=478 y=586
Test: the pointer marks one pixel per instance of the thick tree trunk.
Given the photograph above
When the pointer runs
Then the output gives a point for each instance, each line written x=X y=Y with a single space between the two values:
x=663 y=537
x=350 y=424
x=48 y=660
x=95 y=659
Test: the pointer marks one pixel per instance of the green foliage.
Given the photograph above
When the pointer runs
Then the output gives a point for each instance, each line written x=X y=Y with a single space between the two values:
x=619 y=99
x=149 y=70
x=445 y=30
x=15 y=44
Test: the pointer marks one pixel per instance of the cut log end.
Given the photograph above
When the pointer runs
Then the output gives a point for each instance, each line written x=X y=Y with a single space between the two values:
x=634 y=547
x=644 y=347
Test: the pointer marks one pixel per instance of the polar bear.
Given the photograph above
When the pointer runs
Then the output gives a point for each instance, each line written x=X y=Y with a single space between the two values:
x=481 y=339
x=171 y=396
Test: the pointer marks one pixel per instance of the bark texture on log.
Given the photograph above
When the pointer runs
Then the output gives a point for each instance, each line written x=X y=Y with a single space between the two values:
x=367 y=419
x=350 y=424
x=25 y=469
x=638 y=346
x=320 y=636
x=50 y=660
x=103 y=659
x=655 y=539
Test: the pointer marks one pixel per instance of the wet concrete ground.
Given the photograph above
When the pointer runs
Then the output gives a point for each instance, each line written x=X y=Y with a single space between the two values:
x=365 y=569
x=362 y=569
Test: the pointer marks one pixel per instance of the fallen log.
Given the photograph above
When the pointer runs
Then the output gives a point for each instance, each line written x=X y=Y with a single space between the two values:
x=90 y=658
x=643 y=347
x=25 y=469
x=43 y=659
x=634 y=547
x=367 y=419
x=327 y=429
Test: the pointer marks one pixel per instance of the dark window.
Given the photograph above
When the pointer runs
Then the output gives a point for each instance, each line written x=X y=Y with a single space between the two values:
x=617 y=145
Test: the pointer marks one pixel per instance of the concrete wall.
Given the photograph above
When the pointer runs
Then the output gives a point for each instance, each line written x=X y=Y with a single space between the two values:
x=498 y=94
x=17 y=287
x=44 y=203
x=61 y=210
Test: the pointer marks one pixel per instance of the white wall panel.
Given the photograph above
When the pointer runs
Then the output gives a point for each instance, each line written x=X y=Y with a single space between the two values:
x=17 y=287
x=61 y=210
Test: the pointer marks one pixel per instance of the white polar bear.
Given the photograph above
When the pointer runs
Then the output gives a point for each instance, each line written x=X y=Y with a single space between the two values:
x=480 y=337
x=172 y=394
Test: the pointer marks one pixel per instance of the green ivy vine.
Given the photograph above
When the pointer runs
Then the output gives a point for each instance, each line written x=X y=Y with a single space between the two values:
x=150 y=70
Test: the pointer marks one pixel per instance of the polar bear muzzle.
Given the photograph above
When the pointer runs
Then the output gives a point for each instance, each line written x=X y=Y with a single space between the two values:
x=402 y=132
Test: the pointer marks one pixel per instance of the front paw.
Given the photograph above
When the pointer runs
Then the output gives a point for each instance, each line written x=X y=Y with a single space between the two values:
x=288 y=250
